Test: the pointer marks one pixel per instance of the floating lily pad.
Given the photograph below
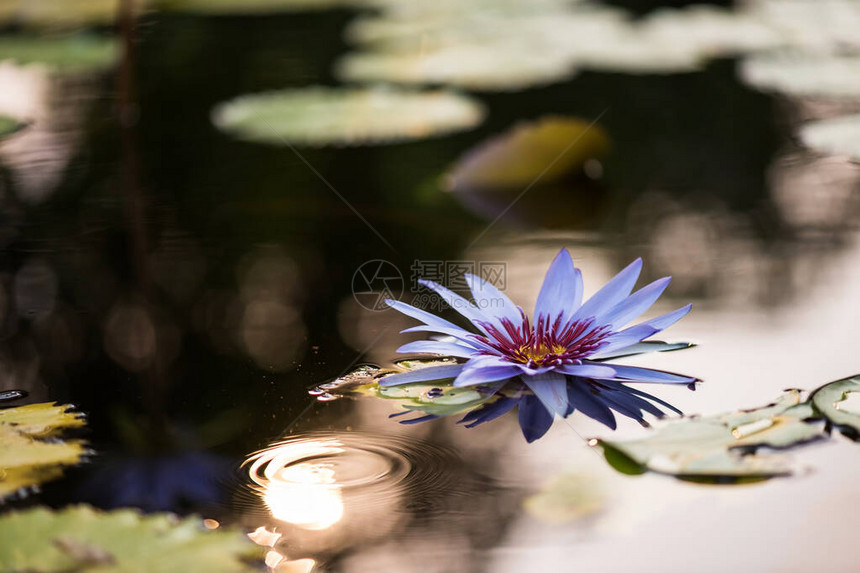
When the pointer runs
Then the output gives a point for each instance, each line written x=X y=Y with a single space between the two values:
x=30 y=449
x=804 y=74
x=837 y=136
x=483 y=67
x=327 y=116
x=83 y=539
x=8 y=126
x=62 y=54
x=539 y=152
x=723 y=447
x=230 y=7
x=833 y=401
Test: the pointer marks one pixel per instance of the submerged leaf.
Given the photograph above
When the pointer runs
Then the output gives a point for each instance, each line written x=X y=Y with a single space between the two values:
x=30 y=452
x=566 y=498
x=543 y=152
x=328 y=116
x=70 y=54
x=720 y=447
x=81 y=538
x=833 y=401
x=8 y=125
x=836 y=136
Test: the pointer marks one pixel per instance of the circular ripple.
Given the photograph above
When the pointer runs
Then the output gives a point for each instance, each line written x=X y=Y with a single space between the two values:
x=309 y=480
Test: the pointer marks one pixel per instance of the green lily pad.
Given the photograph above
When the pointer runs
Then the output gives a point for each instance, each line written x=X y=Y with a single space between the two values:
x=30 y=449
x=543 y=151
x=720 y=448
x=834 y=402
x=327 y=116
x=81 y=538
x=66 y=54
x=836 y=136
x=804 y=74
x=8 y=126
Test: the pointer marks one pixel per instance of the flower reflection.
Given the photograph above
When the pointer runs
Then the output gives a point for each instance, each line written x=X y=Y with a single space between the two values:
x=305 y=493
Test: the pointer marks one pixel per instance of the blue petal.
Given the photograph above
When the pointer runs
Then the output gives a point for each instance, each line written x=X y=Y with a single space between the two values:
x=622 y=388
x=561 y=292
x=418 y=420
x=436 y=347
x=640 y=332
x=458 y=303
x=551 y=390
x=642 y=348
x=629 y=405
x=456 y=332
x=664 y=321
x=637 y=374
x=422 y=375
x=490 y=411
x=589 y=404
x=482 y=373
x=492 y=301
x=634 y=305
x=422 y=315
x=625 y=338
x=588 y=370
x=535 y=420
x=612 y=292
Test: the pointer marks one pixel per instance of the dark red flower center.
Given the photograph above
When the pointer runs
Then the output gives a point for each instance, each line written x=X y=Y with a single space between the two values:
x=544 y=344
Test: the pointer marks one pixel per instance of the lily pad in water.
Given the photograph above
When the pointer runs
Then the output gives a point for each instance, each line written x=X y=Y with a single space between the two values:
x=720 y=447
x=834 y=402
x=836 y=136
x=83 y=539
x=230 y=7
x=30 y=451
x=804 y=74
x=543 y=152
x=326 y=116
x=493 y=66
x=61 y=54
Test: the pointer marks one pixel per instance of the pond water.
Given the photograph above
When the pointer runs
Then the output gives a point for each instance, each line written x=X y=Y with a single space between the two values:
x=186 y=289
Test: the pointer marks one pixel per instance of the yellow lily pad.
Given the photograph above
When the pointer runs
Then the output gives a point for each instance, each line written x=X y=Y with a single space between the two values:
x=328 y=116
x=543 y=152
x=81 y=538
x=30 y=452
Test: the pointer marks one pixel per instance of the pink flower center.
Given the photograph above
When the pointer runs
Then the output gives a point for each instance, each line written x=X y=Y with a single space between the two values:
x=545 y=344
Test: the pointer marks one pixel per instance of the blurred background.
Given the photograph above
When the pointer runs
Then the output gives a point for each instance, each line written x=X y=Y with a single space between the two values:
x=188 y=188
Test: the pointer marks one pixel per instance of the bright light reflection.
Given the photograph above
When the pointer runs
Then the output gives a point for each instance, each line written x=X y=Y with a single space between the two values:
x=297 y=484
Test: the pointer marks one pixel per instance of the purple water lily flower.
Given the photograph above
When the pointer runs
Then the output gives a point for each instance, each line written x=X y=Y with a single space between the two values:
x=554 y=364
